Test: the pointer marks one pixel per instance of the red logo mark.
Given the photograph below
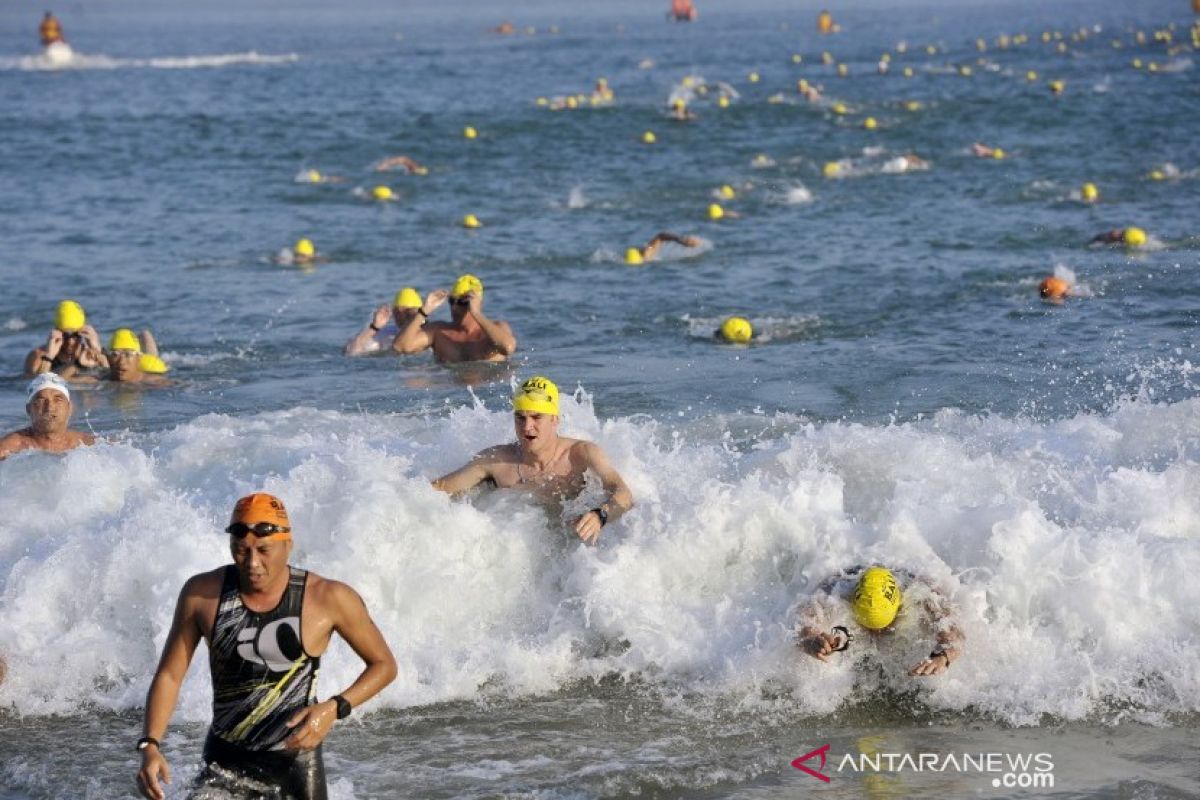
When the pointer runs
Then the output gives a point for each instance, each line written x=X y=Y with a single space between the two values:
x=800 y=765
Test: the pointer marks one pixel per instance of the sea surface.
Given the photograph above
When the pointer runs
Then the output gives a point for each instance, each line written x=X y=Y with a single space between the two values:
x=908 y=399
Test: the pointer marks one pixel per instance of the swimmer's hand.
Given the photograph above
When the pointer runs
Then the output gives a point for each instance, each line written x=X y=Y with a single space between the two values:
x=54 y=343
x=588 y=527
x=381 y=316
x=928 y=667
x=434 y=300
x=311 y=725
x=153 y=764
x=819 y=644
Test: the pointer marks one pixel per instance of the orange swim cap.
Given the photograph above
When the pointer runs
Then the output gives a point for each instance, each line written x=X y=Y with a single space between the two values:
x=261 y=507
x=1053 y=288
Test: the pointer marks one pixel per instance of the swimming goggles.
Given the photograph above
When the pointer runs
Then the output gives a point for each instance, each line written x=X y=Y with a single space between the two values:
x=238 y=530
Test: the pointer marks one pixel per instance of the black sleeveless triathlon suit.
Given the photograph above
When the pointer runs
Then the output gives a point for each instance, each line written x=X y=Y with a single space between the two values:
x=261 y=676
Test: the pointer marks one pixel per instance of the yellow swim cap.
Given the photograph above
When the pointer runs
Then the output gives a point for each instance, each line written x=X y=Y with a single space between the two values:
x=870 y=124
x=572 y=102
x=1157 y=175
x=1135 y=237
x=797 y=58
x=313 y=176
x=723 y=101
x=1089 y=193
x=382 y=193
x=727 y=192
x=839 y=108
x=913 y=105
x=649 y=138
x=125 y=339
x=470 y=132
x=1031 y=76
x=736 y=330
x=908 y=72
x=538 y=395
x=1057 y=86
x=541 y=101
x=876 y=599
x=842 y=70
x=831 y=169
x=70 y=316
x=715 y=211
x=754 y=77
x=407 y=297
x=471 y=221
x=1137 y=63
x=152 y=364
x=467 y=283
x=678 y=104
x=633 y=257
x=305 y=248
x=997 y=153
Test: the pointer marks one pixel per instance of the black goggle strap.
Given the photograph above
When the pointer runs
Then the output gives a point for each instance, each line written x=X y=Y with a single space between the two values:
x=847 y=637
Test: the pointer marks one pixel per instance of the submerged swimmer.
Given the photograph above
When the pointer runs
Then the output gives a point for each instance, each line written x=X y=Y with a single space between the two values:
x=266 y=624
x=71 y=347
x=552 y=467
x=48 y=404
x=134 y=359
x=382 y=332
x=400 y=162
x=680 y=112
x=1130 y=237
x=875 y=597
x=468 y=336
x=50 y=30
x=983 y=151
x=636 y=255
x=1054 y=289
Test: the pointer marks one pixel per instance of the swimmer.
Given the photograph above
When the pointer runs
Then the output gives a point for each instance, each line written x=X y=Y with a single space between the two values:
x=983 y=151
x=468 y=336
x=650 y=251
x=550 y=466
x=400 y=162
x=382 y=332
x=809 y=92
x=50 y=30
x=48 y=404
x=825 y=23
x=134 y=359
x=875 y=598
x=266 y=624
x=680 y=112
x=316 y=176
x=1130 y=237
x=71 y=347
x=912 y=161
x=1054 y=289
x=504 y=29
x=683 y=11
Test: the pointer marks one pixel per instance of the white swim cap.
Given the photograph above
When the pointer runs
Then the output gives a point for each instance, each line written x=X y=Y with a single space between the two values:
x=47 y=380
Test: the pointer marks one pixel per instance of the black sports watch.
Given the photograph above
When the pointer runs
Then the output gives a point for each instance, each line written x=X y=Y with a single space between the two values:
x=343 y=706
x=146 y=741
x=602 y=513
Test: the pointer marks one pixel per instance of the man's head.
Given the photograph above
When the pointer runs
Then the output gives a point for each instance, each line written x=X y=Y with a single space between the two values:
x=260 y=539
x=48 y=403
x=459 y=294
x=876 y=599
x=407 y=301
x=535 y=413
x=124 y=356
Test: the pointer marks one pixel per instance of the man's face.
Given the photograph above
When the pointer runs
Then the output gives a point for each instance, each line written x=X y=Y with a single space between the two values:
x=72 y=344
x=49 y=411
x=260 y=561
x=459 y=306
x=535 y=430
x=124 y=365
x=403 y=316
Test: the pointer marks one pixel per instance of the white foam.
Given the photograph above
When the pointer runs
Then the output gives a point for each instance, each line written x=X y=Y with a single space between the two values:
x=576 y=198
x=15 y=324
x=1069 y=548
x=81 y=61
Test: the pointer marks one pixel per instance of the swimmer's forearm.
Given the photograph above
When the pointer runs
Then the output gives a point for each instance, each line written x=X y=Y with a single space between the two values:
x=371 y=682
x=495 y=332
x=160 y=705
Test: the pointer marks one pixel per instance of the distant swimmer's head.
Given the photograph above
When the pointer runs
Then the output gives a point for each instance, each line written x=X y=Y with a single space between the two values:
x=1134 y=237
x=715 y=212
x=840 y=108
x=1053 y=288
x=634 y=257
x=649 y=138
x=471 y=221
x=1089 y=193
x=260 y=539
x=678 y=104
x=313 y=176
x=870 y=124
x=1057 y=87
x=462 y=287
x=408 y=297
x=727 y=192
x=70 y=317
x=723 y=101
x=1157 y=175
x=153 y=364
x=831 y=169
x=470 y=133
x=304 y=249
x=736 y=330
x=383 y=193
x=876 y=599
x=124 y=355
x=538 y=395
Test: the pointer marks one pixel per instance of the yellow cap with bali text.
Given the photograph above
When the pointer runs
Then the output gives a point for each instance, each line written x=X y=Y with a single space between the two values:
x=467 y=283
x=538 y=395
x=407 y=297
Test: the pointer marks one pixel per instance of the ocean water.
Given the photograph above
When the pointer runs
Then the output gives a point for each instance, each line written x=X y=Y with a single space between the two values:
x=908 y=399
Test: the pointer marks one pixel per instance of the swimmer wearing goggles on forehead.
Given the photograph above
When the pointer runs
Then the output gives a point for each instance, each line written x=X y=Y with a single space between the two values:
x=267 y=625
x=470 y=335
x=71 y=348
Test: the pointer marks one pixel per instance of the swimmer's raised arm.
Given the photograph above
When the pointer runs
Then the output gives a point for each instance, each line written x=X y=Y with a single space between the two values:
x=499 y=333
x=948 y=646
x=415 y=336
x=620 y=499
x=361 y=342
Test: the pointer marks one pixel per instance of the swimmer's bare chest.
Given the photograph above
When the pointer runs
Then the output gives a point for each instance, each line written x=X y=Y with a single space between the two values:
x=454 y=346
